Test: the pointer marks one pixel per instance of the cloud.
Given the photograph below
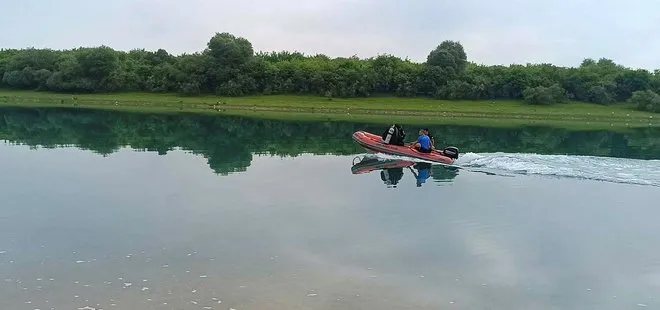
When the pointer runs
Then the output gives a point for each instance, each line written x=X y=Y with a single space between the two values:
x=493 y=32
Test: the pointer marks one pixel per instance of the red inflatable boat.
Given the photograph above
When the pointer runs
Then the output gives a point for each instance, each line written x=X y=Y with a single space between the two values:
x=375 y=143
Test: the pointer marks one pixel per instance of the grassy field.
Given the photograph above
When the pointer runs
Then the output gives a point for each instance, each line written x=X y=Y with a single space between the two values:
x=374 y=109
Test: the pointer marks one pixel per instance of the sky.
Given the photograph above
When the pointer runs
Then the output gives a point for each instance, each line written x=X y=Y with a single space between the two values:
x=562 y=32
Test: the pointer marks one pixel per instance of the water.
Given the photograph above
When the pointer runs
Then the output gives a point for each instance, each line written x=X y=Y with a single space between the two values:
x=120 y=211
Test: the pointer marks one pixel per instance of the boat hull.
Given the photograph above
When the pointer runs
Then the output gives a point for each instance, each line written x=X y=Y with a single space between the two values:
x=375 y=143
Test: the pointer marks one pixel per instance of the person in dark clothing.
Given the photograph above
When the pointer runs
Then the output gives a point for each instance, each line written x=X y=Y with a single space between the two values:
x=394 y=135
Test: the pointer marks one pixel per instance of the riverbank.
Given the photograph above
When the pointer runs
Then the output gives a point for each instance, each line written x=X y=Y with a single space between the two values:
x=373 y=109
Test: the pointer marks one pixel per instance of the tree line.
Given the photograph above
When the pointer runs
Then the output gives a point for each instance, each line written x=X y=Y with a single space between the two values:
x=229 y=66
x=229 y=142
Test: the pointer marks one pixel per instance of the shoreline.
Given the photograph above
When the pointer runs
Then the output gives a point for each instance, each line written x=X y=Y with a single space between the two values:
x=372 y=109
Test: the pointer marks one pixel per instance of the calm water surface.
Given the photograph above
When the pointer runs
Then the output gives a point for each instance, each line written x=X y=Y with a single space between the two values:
x=132 y=212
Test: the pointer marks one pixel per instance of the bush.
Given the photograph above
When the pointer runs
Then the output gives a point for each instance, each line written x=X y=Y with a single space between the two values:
x=558 y=93
x=646 y=100
x=599 y=94
x=545 y=95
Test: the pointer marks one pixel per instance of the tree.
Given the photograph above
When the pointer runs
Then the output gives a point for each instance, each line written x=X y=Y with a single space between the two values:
x=629 y=81
x=229 y=50
x=228 y=53
x=449 y=56
x=228 y=66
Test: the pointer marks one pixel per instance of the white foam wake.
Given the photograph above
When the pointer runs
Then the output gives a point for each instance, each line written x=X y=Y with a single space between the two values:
x=609 y=169
x=619 y=170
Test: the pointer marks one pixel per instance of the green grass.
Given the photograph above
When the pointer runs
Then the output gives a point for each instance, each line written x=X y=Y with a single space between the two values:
x=375 y=109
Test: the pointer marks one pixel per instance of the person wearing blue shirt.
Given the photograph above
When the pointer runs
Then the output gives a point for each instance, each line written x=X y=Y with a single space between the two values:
x=423 y=143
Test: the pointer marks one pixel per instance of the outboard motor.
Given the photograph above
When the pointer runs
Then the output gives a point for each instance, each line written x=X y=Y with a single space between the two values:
x=451 y=152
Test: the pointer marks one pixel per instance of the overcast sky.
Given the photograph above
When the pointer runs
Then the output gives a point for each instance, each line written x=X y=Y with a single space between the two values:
x=493 y=32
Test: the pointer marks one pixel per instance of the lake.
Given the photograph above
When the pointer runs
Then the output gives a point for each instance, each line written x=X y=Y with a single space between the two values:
x=110 y=210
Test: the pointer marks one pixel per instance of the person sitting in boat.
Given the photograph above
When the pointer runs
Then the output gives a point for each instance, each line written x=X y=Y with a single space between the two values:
x=394 y=135
x=423 y=143
x=428 y=133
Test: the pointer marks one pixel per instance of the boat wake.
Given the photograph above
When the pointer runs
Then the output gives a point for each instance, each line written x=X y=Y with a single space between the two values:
x=608 y=169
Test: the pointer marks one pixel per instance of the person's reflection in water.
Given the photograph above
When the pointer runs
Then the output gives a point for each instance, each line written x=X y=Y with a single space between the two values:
x=423 y=172
x=391 y=176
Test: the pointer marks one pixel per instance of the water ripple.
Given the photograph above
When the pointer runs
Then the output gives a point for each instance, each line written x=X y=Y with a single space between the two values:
x=609 y=169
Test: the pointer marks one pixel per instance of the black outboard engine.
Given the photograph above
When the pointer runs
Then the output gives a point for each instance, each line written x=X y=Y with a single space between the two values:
x=451 y=152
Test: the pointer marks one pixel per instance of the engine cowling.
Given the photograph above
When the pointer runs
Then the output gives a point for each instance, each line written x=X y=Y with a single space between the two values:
x=451 y=152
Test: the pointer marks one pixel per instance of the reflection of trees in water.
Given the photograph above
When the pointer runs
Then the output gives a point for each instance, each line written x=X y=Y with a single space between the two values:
x=224 y=161
x=444 y=173
x=228 y=142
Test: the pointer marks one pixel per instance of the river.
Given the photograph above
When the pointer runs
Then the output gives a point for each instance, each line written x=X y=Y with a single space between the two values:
x=110 y=210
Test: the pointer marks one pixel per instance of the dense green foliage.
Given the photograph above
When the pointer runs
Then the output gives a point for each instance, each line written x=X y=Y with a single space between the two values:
x=646 y=100
x=228 y=66
x=545 y=95
x=229 y=142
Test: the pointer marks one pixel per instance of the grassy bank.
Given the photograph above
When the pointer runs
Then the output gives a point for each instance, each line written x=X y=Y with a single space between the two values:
x=375 y=109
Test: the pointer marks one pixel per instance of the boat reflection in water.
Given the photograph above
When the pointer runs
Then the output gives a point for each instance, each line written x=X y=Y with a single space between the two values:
x=392 y=170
